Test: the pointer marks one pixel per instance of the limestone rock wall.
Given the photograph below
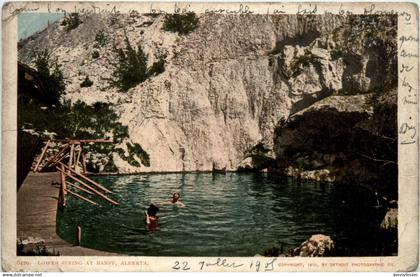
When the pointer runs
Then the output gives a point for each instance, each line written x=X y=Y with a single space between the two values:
x=225 y=86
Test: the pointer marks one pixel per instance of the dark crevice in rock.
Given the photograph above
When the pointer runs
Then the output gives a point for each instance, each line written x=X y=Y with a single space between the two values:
x=353 y=143
x=308 y=100
x=303 y=39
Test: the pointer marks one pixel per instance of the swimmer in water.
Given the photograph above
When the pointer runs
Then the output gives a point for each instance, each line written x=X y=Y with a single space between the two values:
x=175 y=200
x=151 y=218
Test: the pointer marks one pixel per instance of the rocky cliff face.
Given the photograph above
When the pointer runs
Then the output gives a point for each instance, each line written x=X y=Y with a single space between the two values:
x=347 y=139
x=227 y=85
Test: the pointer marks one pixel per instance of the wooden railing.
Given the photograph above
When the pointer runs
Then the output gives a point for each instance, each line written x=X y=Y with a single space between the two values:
x=71 y=176
x=73 y=181
x=84 y=184
x=72 y=151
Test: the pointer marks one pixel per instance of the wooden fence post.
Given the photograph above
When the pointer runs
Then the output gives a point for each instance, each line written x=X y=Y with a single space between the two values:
x=63 y=181
x=71 y=155
x=42 y=156
x=76 y=165
x=78 y=235
x=84 y=163
x=62 y=191
x=83 y=159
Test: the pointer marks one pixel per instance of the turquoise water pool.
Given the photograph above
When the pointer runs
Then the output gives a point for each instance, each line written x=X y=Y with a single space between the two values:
x=233 y=214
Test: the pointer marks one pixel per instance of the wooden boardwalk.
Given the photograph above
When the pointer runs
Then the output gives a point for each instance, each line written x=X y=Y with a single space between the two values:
x=37 y=202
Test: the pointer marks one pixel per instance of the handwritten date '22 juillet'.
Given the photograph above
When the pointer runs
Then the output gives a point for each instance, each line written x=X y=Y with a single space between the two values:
x=224 y=263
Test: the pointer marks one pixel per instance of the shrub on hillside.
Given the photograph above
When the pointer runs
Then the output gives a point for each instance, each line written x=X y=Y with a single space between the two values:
x=131 y=68
x=182 y=24
x=100 y=39
x=71 y=22
x=86 y=82
x=135 y=153
x=95 y=54
x=300 y=62
x=157 y=67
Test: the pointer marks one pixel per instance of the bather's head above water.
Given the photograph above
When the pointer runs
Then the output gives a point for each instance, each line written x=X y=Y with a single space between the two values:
x=150 y=217
x=175 y=197
x=152 y=210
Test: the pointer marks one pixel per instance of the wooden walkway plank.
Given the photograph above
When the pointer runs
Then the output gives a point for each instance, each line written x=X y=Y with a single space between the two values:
x=37 y=202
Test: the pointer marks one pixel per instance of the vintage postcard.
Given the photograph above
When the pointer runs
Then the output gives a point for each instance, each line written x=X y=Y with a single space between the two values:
x=240 y=137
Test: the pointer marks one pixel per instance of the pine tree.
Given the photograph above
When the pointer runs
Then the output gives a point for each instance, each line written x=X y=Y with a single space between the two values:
x=55 y=85
x=131 y=68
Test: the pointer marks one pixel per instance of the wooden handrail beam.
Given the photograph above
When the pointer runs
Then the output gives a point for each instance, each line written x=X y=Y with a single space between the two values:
x=89 y=187
x=81 y=197
x=78 y=141
x=86 y=178
x=78 y=187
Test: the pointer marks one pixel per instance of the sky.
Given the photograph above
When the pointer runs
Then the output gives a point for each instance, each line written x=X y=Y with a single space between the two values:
x=29 y=23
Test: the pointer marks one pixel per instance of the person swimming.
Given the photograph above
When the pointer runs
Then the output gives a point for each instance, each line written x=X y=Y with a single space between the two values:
x=175 y=200
x=151 y=218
